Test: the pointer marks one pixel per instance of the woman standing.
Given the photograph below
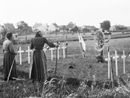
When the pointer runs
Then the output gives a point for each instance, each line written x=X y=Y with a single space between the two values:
x=9 y=57
x=38 y=70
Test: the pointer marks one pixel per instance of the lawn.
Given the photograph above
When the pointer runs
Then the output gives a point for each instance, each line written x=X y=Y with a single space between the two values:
x=73 y=37
x=84 y=69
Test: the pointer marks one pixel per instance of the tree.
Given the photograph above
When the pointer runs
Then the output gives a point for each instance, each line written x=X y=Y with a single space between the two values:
x=64 y=27
x=9 y=27
x=3 y=32
x=85 y=30
x=121 y=27
x=105 y=25
x=23 y=27
x=74 y=29
x=70 y=26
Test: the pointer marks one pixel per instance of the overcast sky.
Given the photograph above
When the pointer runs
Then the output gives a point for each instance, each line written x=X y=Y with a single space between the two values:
x=81 y=12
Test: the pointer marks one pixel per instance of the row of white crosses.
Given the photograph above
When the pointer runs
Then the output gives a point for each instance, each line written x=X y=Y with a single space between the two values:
x=20 y=51
x=116 y=63
x=58 y=55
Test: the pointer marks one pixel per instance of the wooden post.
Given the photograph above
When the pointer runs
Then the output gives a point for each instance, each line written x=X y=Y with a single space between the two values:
x=66 y=44
x=58 y=54
x=112 y=72
x=109 y=64
x=56 y=62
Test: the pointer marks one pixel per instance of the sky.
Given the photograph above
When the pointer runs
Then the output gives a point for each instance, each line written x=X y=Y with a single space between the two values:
x=80 y=12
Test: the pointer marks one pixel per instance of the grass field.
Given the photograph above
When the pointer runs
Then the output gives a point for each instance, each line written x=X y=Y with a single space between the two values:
x=84 y=68
x=73 y=37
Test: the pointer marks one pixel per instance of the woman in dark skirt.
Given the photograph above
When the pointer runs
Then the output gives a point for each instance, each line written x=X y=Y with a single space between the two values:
x=9 y=58
x=38 y=68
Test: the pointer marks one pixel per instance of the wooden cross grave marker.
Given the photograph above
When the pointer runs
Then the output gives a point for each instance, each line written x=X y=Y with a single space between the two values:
x=20 y=55
x=116 y=62
x=29 y=54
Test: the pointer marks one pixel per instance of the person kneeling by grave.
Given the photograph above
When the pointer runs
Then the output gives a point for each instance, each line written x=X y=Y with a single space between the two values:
x=9 y=58
x=38 y=68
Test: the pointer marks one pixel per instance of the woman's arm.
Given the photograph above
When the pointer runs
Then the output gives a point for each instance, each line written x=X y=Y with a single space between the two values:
x=49 y=43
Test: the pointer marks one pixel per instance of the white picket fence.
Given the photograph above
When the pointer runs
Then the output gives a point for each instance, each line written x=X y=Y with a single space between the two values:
x=20 y=52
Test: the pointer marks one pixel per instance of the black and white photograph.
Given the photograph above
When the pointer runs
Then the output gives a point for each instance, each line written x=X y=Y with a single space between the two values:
x=65 y=49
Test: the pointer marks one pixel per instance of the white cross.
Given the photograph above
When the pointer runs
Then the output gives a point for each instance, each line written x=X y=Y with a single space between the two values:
x=109 y=65
x=64 y=48
x=52 y=53
x=123 y=57
x=116 y=62
x=29 y=54
x=20 y=55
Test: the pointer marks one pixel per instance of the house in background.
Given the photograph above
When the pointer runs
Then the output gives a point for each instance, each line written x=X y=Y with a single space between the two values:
x=53 y=27
x=43 y=28
x=36 y=25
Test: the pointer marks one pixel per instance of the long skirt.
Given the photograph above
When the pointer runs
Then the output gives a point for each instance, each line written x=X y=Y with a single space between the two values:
x=38 y=67
x=7 y=63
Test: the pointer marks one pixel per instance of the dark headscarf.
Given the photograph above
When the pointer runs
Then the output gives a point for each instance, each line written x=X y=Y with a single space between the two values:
x=9 y=35
x=38 y=33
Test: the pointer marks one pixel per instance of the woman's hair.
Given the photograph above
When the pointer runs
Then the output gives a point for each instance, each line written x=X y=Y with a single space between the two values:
x=38 y=34
x=9 y=35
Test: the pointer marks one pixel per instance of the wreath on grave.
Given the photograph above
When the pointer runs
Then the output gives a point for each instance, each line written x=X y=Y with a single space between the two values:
x=99 y=38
